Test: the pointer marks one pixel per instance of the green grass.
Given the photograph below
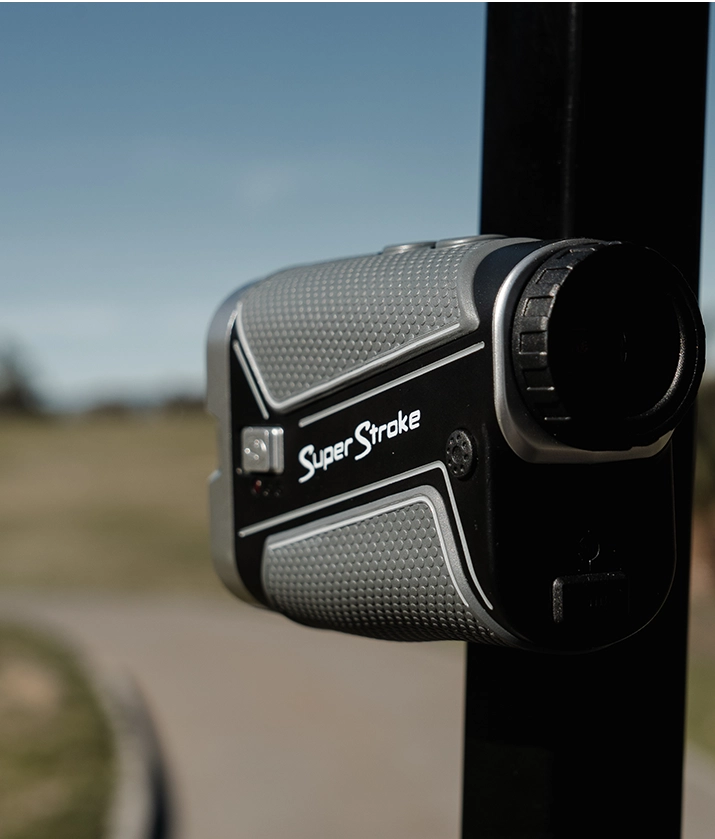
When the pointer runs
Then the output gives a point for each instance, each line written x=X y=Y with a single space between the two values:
x=701 y=705
x=56 y=752
x=701 y=676
x=106 y=503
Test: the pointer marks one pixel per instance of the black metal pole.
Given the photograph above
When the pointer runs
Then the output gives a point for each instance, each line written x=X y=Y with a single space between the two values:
x=594 y=124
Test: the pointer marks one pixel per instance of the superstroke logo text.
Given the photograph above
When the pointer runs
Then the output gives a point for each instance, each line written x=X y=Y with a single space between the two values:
x=365 y=437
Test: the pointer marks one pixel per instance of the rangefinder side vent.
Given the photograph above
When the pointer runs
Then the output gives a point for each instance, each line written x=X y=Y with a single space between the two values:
x=311 y=329
x=387 y=570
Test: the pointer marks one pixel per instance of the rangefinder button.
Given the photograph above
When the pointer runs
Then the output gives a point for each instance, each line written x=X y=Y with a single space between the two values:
x=409 y=246
x=468 y=240
x=262 y=449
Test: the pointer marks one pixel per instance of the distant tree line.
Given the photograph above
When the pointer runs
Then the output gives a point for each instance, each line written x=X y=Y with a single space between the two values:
x=18 y=396
x=178 y=405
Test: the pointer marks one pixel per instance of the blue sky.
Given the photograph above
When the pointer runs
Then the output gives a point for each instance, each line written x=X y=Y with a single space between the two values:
x=155 y=157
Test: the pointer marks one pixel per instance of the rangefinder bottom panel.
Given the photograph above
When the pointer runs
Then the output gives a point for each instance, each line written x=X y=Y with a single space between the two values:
x=389 y=569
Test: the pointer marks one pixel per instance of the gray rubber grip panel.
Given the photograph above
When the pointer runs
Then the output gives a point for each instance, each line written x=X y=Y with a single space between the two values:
x=310 y=329
x=388 y=570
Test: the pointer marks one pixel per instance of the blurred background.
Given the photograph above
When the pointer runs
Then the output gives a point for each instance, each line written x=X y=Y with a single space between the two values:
x=153 y=158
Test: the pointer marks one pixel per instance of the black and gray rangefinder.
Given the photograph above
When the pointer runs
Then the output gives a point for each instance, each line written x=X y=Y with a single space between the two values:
x=465 y=439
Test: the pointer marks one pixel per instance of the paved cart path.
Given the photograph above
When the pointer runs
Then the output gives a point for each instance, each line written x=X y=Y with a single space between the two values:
x=274 y=730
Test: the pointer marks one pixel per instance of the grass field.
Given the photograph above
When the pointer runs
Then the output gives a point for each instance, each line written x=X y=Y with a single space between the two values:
x=56 y=751
x=701 y=675
x=106 y=503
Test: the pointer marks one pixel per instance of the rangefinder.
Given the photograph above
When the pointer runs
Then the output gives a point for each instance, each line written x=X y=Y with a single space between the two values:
x=467 y=439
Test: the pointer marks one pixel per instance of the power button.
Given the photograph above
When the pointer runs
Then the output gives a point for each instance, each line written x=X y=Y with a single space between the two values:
x=262 y=449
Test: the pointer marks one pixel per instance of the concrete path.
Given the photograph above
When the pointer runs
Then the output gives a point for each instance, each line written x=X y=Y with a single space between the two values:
x=275 y=731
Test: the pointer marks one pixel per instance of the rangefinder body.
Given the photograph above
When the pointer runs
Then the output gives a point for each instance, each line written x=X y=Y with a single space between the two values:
x=466 y=439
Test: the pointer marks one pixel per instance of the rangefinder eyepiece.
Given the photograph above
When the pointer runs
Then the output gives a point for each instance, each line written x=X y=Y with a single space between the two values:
x=467 y=439
x=604 y=346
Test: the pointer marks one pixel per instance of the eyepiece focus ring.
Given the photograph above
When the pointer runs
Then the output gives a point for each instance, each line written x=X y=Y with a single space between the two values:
x=607 y=346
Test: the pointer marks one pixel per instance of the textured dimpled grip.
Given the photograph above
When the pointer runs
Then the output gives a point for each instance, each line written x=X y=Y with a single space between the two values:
x=310 y=329
x=388 y=570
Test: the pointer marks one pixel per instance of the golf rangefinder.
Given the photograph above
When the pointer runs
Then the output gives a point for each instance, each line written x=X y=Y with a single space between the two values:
x=466 y=439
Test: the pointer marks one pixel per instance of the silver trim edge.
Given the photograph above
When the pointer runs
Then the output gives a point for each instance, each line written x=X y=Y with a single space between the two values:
x=469 y=322
x=355 y=493
x=249 y=378
x=435 y=501
x=356 y=400
x=411 y=496
x=218 y=403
